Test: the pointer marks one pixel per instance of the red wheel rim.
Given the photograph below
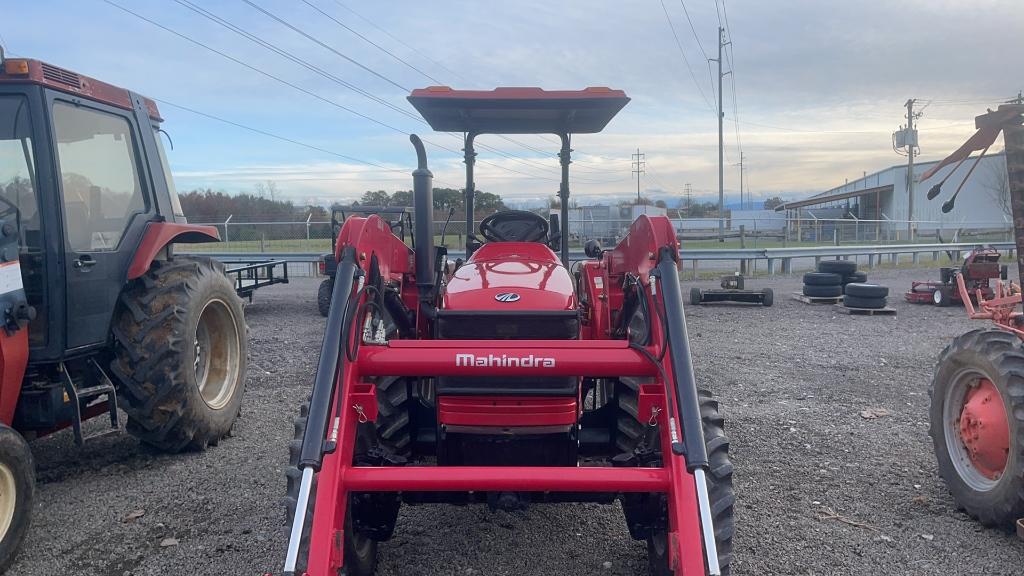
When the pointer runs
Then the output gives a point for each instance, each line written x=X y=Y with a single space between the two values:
x=984 y=429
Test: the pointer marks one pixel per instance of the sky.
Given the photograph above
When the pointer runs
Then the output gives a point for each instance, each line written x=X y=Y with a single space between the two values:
x=815 y=91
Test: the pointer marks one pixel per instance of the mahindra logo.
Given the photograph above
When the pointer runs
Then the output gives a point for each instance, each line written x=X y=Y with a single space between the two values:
x=504 y=361
x=506 y=297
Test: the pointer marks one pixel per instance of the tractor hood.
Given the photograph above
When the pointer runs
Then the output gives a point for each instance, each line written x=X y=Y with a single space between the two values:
x=510 y=277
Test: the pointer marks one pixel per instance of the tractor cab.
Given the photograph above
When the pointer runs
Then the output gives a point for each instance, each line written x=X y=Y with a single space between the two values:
x=82 y=175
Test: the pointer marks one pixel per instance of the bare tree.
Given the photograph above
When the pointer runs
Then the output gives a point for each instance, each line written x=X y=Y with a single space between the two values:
x=995 y=181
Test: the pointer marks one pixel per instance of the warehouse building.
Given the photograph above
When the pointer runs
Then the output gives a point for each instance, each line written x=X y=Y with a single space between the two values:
x=876 y=206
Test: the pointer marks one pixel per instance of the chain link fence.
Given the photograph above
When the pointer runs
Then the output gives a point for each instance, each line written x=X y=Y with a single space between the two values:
x=315 y=236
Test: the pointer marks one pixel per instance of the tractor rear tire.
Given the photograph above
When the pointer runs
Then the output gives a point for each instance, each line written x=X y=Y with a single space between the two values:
x=360 y=550
x=998 y=357
x=721 y=496
x=323 y=296
x=17 y=491
x=180 y=354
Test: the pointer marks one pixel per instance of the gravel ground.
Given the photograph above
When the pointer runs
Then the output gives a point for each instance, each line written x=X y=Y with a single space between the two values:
x=793 y=380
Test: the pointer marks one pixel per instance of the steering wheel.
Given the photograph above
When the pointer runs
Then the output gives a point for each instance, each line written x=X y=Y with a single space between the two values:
x=514 y=226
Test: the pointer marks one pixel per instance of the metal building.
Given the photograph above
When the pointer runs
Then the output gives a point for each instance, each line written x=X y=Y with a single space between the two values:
x=880 y=202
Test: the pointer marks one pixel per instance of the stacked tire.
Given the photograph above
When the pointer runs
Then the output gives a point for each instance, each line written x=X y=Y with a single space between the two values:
x=831 y=277
x=864 y=295
x=823 y=285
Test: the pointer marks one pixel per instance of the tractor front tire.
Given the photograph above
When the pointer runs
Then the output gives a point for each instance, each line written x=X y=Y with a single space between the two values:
x=323 y=296
x=17 y=490
x=980 y=377
x=360 y=550
x=180 y=354
x=721 y=496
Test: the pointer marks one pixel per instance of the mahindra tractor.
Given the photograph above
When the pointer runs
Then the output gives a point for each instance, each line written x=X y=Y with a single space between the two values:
x=977 y=391
x=98 y=313
x=509 y=378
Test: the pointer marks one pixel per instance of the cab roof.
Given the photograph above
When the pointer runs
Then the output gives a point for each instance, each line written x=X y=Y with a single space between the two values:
x=518 y=110
x=26 y=70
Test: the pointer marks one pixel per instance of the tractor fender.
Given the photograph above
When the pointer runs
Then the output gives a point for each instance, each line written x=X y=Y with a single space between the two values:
x=159 y=234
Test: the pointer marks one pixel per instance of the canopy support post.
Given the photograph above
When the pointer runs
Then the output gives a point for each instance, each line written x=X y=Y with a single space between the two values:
x=563 y=196
x=470 y=159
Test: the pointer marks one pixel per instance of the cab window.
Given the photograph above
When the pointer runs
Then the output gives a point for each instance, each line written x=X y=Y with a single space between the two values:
x=101 y=190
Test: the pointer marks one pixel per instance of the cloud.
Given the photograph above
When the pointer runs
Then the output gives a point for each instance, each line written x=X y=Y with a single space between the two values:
x=820 y=86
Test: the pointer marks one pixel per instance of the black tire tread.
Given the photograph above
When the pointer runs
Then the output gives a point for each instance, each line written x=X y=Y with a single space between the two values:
x=16 y=455
x=1002 y=354
x=816 y=291
x=323 y=296
x=152 y=351
x=841 y=267
x=864 y=290
x=364 y=566
x=822 y=279
x=862 y=302
x=721 y=496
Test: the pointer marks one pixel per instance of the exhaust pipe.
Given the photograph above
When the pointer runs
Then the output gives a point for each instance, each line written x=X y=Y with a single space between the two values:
x=423 y=204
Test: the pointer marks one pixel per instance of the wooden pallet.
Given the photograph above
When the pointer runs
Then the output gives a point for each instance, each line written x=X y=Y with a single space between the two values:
x=800 y=297
x=887 y=311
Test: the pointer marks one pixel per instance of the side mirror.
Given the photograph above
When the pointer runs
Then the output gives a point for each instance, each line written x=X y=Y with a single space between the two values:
x=593 y=249
x=554 y=231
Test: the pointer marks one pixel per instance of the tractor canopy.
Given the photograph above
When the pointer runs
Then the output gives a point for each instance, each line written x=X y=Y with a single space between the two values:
x=518 y=110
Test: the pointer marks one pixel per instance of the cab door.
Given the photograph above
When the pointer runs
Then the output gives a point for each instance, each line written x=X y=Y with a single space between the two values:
x=104 y=208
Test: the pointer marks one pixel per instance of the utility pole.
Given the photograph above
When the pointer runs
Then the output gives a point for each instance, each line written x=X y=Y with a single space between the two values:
x=911 y=140
x=638 y=169
x=688 y=205
x=721 y=148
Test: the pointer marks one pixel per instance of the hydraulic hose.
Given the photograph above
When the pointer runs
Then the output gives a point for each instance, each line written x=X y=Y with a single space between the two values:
x=687 y=403
x=330 y=364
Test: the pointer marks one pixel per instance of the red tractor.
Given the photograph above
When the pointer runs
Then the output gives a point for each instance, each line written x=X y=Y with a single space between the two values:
x=98 y=313
x=977 y=392
x=980 y=268
x=507 y=380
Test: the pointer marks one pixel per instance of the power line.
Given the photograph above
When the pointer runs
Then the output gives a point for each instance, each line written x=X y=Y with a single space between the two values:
x=371 y=42
x=440 y=65
x=400 y=41
x=288 y=55
x=685 y=59
x=333 y=50
x=251 y=67
x=275 y=136
x=696 y=37
x=326 y=46
x=304 y=90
